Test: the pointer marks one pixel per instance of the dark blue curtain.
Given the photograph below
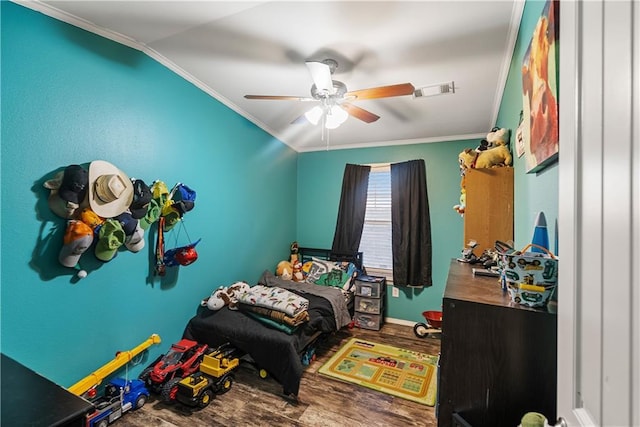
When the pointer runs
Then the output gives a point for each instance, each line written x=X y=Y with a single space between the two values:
x=410 y=224
x=353 y=205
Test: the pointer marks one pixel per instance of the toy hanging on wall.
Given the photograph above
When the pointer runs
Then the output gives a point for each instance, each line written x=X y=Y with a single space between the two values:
x=184 y=255
x=174 y=204
x=160 y=269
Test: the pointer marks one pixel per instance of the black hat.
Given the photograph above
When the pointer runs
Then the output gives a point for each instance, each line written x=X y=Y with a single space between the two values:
x=141 y=199
x=128 y=223
x=74 y=185
x=183 y=206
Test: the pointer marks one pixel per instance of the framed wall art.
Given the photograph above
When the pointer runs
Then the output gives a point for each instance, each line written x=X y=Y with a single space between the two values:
x=540 y=93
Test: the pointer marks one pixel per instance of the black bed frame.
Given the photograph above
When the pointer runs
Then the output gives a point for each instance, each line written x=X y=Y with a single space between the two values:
x=305 y=254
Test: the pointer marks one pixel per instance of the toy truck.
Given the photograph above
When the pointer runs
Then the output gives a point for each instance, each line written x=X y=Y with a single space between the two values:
x=214 y=377
x=86 y=387
x=164 y=374
x=120 y=396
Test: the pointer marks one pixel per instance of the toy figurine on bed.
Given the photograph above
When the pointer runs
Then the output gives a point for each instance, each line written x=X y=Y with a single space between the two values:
x=225 y=296
x=278 y=318
x=284 y=270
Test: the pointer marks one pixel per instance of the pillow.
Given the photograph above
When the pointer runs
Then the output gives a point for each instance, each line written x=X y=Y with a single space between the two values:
x=347 y=267
x=336 y=278
x=318 y=268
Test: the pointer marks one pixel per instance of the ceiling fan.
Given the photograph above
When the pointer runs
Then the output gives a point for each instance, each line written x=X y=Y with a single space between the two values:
x=335 y=101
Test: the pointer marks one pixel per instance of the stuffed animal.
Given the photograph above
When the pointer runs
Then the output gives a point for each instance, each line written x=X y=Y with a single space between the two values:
x=225 y=296
x=233 y=292
x=306 y=268
x=284 y=270
x=463 y=202
x=294 y=253
x=463 y=197
x=215 y=301
x=497 y=156
x=498 y=136
x=297 y=274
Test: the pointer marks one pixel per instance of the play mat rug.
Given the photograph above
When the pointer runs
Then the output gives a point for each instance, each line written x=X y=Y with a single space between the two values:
x=396 y=371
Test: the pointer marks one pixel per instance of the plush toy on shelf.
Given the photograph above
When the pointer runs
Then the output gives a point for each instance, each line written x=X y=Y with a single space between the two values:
x=493 y=157
x=492 y=152
x=498 y=136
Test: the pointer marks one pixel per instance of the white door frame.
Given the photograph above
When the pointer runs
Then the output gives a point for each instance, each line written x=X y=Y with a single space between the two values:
x=599 y=214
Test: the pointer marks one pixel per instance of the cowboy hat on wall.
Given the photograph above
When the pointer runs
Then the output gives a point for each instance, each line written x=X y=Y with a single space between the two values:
x=110 y=189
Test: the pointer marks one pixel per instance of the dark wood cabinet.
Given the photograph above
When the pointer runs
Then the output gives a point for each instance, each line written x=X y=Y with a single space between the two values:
x=29 y=399
x=498 y=358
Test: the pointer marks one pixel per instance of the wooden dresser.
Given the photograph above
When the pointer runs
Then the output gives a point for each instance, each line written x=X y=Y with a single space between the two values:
x=498 y=358
x=29 y=399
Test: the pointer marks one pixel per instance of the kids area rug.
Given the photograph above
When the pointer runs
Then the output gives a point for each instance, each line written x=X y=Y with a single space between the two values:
x=403 y=373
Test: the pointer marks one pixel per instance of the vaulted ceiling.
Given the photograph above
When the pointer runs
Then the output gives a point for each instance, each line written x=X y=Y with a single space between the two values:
x=233 y=48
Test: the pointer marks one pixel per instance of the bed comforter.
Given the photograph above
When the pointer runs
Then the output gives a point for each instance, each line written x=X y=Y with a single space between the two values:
x=272 y=349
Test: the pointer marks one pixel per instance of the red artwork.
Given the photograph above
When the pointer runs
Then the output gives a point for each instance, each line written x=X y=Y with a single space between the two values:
x=539 y=90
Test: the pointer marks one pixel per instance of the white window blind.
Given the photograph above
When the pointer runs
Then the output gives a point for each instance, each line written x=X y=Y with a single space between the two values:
x=376 y=235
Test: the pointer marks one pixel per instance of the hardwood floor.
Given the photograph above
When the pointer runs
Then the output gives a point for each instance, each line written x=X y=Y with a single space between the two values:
x=253 y=401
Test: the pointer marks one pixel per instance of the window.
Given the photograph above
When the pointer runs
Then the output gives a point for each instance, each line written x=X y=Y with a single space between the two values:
x=376 y=235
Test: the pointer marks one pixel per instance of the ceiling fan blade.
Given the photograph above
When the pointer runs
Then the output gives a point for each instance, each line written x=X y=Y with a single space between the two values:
x=359 y=113
x=279 y=98
x=321 y=75
x=382 y=91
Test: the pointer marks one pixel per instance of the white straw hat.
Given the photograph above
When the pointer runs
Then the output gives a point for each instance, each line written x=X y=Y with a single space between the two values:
x=110 y=189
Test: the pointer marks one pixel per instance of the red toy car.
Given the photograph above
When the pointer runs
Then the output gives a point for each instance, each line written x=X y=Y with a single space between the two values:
x=164 y=374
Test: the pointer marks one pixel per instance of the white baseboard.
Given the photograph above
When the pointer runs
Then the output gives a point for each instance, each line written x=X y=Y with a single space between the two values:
x=399 y=321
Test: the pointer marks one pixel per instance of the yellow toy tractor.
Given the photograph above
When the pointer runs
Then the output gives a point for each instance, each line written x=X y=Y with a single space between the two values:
x=214 y=377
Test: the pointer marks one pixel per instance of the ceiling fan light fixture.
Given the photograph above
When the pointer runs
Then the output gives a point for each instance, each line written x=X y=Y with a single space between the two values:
x=314 y=115
x=335 y=117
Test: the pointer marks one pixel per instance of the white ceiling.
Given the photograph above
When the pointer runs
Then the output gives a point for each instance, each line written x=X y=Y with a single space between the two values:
x=233 y=48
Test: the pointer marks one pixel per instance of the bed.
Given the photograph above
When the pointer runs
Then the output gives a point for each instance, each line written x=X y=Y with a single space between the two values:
x=277 y=351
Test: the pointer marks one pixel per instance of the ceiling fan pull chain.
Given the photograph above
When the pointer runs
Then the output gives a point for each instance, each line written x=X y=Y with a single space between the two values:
x=322 y=127
x=327 y=139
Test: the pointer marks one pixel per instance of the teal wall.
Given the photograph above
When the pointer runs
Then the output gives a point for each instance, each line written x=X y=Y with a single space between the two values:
x=69 y=96
x=319 y=185
x=537 y=191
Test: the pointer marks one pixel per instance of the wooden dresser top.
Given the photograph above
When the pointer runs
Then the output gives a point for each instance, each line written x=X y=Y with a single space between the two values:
x=462 y=285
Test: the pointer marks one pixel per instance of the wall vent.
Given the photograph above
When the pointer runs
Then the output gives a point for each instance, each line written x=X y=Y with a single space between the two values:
x=433 y=90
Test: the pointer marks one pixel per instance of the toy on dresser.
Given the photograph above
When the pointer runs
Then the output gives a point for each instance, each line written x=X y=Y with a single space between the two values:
x=492 y=152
